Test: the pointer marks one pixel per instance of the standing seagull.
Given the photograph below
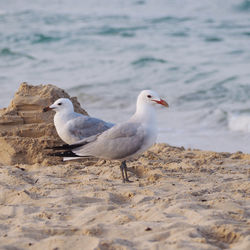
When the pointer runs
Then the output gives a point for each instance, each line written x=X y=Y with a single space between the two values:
x=125 y=140
x=73 y=127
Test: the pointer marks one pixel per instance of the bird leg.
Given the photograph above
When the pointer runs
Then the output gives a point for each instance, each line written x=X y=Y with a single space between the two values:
x=123 y=168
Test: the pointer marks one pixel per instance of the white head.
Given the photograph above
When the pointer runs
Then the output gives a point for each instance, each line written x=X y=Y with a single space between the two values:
x=150 y=97
x=62 y=104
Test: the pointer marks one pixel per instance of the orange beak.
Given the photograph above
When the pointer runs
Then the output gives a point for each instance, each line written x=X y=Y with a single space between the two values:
x=162 y=102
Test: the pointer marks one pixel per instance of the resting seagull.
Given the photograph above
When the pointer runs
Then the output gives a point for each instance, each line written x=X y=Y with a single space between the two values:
x=73 y=127
x=125 y=140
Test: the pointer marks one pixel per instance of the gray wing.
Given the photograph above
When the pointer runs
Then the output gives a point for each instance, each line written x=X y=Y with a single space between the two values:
x=85 y=126
x=118 y=142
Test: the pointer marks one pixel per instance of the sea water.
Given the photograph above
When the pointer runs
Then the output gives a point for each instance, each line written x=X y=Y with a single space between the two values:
x=196 y=54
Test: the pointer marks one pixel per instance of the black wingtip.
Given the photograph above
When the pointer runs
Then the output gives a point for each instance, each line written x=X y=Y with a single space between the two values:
x=64 y=154
x=68 y=146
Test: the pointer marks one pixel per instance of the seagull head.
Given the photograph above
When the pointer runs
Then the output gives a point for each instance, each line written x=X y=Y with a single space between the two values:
x=62 y=104
x=150 y=97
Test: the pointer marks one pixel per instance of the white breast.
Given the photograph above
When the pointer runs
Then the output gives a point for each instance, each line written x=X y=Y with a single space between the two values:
x=60 y=122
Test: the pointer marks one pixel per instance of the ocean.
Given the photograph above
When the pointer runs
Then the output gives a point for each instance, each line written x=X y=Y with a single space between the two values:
x=196 y=54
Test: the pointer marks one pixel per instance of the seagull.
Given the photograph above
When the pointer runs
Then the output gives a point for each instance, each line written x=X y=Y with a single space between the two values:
x=73 y=127
x=123 y=141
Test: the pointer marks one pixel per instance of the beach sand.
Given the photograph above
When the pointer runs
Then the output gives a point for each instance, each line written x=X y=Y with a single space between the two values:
x=179 y=198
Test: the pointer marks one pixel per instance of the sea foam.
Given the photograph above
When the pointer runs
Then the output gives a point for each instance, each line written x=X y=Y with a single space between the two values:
x=239 y=123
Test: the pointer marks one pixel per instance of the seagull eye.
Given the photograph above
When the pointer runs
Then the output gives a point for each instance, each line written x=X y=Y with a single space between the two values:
x=149 y=96
x=59 y=103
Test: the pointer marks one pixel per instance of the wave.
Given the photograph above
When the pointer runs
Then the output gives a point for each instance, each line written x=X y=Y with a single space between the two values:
x=180 y=34
x=217 y=92
x=170 y=19
x=121 y=31
x=244 y=6
x=8 y=52
x=246 y=33
x=239 y=123
x=41 y=38
x=213 y=39
x=146 y=60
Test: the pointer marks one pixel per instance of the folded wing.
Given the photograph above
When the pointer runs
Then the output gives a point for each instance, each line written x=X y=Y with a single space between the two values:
x=118 y=142
x=85 y=126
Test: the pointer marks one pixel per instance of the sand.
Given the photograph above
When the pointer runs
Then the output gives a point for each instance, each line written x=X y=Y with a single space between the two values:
x=25 y=129
x=179 y=199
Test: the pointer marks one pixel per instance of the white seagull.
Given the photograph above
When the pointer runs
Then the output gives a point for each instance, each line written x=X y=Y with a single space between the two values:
x=73 y=127
x=125 y=140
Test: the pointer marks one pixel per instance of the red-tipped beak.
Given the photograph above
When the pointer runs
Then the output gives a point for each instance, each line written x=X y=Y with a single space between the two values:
x=47 y=109
x=162 y=102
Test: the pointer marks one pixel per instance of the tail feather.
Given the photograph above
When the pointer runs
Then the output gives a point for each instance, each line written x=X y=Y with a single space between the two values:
x=69 y=155
x=71 y=158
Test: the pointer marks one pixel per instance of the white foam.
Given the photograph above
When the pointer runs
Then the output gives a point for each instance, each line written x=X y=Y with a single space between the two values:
x=239 y=123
